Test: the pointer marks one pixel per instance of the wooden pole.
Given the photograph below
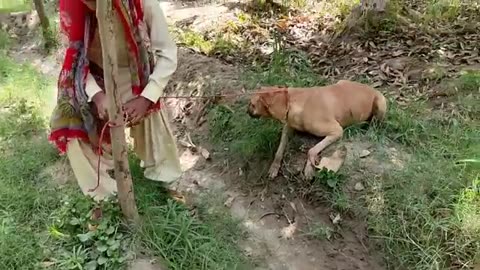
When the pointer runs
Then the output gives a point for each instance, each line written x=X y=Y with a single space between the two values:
x=126 y=196
x=44 y=21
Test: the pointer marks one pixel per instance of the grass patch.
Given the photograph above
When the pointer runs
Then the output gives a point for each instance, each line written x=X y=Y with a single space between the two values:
x=232 y=129
x=4 y=40
x=447 y=10
x=7 y=6
x=170 y=232
x=419 y=221
x=237 y=133
x=469 y=82
x=425 y=215
x=224 y=44
x=42 y=225
x=26 y=196
x=286 y=68
x=320 y=231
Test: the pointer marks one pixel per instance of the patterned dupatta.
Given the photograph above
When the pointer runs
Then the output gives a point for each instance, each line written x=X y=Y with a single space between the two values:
x=73 y=117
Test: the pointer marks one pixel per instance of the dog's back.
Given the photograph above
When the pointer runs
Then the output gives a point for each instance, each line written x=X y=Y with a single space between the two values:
x=345 y=102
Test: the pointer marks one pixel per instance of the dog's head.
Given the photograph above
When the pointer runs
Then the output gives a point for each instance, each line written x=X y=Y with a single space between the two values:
x=269 y=102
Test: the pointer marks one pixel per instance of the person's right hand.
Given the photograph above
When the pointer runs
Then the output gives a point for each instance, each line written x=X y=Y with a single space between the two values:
x=100 y=101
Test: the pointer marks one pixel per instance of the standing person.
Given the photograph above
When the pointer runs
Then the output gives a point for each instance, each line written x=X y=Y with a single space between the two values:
x=147 y=57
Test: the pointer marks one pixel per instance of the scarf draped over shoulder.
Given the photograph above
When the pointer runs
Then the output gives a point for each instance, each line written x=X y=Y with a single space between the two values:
x=73 y=116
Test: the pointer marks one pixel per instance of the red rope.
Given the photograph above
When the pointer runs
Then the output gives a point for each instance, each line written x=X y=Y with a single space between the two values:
x=100 y=153
x=107 y=124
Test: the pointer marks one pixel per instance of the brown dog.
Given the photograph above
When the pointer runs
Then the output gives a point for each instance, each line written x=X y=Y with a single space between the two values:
x=320 y=111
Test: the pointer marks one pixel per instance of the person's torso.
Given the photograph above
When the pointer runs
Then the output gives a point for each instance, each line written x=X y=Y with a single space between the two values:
x=94 y=53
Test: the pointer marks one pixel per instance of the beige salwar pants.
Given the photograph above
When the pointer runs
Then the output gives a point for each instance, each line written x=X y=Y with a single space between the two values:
x=154 y=144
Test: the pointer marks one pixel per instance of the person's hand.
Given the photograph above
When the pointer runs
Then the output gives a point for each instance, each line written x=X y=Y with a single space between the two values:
x=100 y=101
x=136 y=109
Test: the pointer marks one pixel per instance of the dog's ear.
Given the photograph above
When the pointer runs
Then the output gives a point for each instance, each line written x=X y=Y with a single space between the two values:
x=275 y=102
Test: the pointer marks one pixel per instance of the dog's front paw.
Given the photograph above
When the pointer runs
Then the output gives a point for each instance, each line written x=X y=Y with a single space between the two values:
x=273 y=171
x=309 y=172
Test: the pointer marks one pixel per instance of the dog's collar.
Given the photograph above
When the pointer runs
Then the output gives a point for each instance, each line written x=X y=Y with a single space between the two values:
x=287 y=105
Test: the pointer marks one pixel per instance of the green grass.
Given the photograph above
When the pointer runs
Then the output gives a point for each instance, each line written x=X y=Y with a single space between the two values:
x=232 y=128
x=26 y=197
x=221 y=44
x=4 y=40
x=424 y=216
x=44 y=225
x=170 y=231
x=13 y=5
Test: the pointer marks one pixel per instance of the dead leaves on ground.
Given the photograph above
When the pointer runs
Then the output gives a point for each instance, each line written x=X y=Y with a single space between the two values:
x=410 y=55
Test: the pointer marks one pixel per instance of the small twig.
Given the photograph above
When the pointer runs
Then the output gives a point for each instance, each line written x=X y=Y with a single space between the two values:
x=290 y=221
x=190 y=140
x=273 y=213
x=307 y=218
x=201 y=111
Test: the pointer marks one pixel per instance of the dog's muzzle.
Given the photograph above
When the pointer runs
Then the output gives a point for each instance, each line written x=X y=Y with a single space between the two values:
x=251 y=114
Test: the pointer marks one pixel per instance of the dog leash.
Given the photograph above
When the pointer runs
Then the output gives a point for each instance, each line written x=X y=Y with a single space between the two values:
x=113 y=124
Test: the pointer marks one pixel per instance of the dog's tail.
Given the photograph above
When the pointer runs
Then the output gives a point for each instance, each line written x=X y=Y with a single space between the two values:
x=379 y=107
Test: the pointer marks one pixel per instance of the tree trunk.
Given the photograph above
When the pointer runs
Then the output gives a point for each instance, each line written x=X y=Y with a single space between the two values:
x=374 y=5
x=359 y=18
x=47 y=34
x=123 y=178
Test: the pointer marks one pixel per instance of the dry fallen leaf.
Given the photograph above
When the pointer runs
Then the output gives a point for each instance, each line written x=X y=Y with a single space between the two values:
x=333 y=162
x=294 y=207
x=359 y=186
x=287 y=232
x=178 y=197
x=92 y=227
x=377 y=84
x=336 y=218
x=204 y=152
x=228 y=203
x=47 y=264
x=365 y=153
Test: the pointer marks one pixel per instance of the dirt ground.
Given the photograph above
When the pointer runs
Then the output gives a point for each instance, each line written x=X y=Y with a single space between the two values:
x=267 y=208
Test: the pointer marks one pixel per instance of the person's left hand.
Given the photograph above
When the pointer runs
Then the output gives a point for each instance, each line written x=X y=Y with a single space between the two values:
x=136 y=109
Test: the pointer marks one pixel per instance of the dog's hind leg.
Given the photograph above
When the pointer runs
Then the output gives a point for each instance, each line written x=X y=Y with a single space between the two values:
x=277 y=162
x=332 y=137
x=379 y=107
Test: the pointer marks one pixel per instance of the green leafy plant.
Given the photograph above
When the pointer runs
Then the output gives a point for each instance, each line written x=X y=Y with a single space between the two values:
x=328 y=178
x=320 y=231
x=90 y=234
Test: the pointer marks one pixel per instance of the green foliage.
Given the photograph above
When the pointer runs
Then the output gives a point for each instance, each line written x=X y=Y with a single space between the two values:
x=286 y=68
x=447 y=10
x=242 y=135
x=320 y=231
x=7 y=6
x=221 y=43
x=332 y=184
x=51 y=37
x=20 y=119
x=186 y=243
x=4 y=40
x=469 y=82
x=42 y=225
x=328 y=178
x=89 y=235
